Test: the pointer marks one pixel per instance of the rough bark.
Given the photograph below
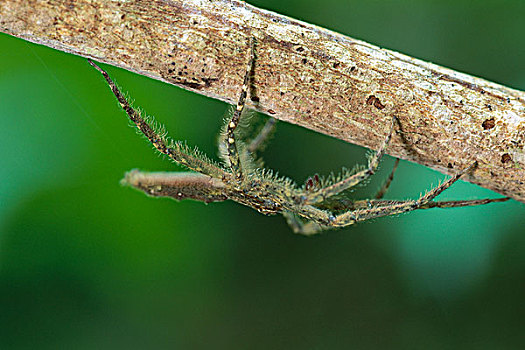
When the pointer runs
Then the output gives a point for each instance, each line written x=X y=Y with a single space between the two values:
x=303 y=74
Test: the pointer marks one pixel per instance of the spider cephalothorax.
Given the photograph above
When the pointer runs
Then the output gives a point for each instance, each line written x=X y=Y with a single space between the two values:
x=308 y=209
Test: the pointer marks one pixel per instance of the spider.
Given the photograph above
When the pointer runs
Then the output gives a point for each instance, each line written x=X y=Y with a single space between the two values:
x=317 y=205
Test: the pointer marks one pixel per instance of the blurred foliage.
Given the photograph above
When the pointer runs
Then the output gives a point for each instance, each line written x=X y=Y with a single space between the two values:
x=85 y=263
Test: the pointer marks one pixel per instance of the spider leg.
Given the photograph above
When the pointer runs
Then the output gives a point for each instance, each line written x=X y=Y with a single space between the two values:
x=375 y=203
x=301 y=227
x=177 y=151
x=371 y=209
x=259 y=140
x=382 y=191
x=350 y=181
x=247 y=150
x=231 y=147
x=400 y=207
x=462 y=203
x=424 y=202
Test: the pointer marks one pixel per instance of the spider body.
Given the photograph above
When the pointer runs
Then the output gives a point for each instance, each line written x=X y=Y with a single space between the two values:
x=308 y=209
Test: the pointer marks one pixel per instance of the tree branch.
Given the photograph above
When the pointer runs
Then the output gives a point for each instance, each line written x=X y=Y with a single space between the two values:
x=303 y=74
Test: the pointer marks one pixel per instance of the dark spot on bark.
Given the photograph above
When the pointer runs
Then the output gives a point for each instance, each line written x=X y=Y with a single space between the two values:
x=482 y=92
x=123 y=16
x=170 y=70
x=489 y=107
x=300 y=49
x=195 y=22
x=336 y=65
x=196 y=86
x=172 y=63
x=450 y=166
x=202 y=70
x=304 y=60
x=353 y=69
x=185 y=67
x=206 y=82
x=505 y=158
x=508 y=99
x=180 y=73
x=488 y=124
x=170 y=55
x=254 y=98
x=271 y=111
x=374 y=101
x=378 y=105
x=282 y=93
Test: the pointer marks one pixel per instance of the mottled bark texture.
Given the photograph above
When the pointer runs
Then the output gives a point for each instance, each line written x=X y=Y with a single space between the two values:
x=303 y=74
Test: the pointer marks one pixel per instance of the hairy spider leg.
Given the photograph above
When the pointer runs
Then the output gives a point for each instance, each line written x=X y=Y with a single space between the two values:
x=382 y=191
x=248 y=149
x=371 y=209
x=177 y=151
x=353 y=180
x=262 y=136
x=231 y=146
x=375 y=203
x=311 y=227
x=462 y=203
x=351 y=217
x=299 y=226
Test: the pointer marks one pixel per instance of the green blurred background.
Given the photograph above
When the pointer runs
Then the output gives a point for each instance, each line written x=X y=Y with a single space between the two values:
x=86 y=263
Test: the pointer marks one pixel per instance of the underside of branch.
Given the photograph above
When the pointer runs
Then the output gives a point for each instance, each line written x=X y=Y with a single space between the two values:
x=303 y=74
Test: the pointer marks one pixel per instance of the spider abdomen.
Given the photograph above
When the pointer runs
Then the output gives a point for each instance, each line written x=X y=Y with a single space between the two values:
x=177 y=185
